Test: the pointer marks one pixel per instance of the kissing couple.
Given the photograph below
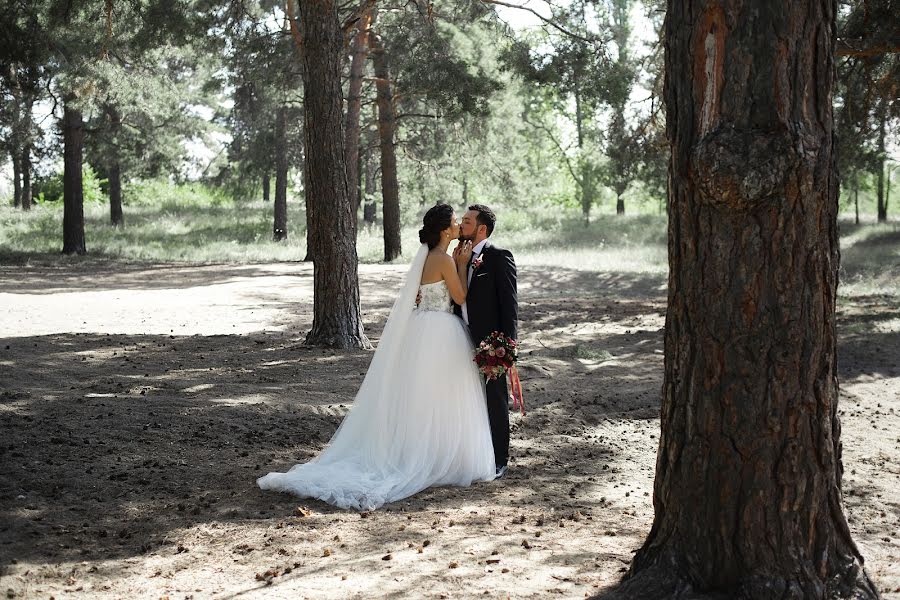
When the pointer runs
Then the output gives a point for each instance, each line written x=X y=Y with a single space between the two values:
x=425 y=415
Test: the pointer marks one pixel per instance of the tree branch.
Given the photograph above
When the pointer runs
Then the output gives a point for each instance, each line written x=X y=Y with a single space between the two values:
x=844 y=48
x=354 y=18
x=298 y=39
x=546 y=21
x=404 y=115
x=559 y=147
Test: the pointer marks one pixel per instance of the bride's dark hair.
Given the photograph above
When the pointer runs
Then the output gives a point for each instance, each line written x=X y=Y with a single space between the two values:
x=436 y=220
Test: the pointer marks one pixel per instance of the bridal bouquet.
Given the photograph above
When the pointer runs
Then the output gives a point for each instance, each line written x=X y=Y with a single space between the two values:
x=495 y=356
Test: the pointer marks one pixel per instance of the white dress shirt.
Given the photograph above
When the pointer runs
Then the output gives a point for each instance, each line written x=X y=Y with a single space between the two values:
x=476 y=252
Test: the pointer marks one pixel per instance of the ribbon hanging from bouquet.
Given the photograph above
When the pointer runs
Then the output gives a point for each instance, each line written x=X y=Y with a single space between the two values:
x=515 y=389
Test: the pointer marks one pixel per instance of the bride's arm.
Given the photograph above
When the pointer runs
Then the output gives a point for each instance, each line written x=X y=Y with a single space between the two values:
x=455 y=276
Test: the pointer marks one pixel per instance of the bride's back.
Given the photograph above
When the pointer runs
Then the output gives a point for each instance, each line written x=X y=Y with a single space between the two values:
x=432 y=272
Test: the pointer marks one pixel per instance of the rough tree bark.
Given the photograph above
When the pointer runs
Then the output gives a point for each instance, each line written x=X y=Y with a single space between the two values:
x=280 y=228
x=73 y=193
x=359 y=50
x=336 y=314
x=115 y=172
x=390 y=188
x=747 y=495
x=26 y=176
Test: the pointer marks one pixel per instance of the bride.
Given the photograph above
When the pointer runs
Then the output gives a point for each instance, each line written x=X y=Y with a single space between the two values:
x=420 y=417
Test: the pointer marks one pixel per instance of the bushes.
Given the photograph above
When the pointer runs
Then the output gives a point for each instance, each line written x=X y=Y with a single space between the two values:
x=50 y=188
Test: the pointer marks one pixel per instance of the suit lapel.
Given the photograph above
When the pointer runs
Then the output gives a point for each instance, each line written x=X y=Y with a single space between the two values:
x=472 y=284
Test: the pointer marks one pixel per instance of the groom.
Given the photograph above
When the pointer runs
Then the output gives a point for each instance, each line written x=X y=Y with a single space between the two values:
x=491 y=305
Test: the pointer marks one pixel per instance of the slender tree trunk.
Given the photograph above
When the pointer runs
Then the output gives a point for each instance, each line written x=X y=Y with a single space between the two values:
x=17 y=177
x=307 y=205
x=16 y=149
x=587 y=190
x=336 y=314
x=882 y=205
x=620 y=205
x=266 y=185
x=73 y=192
x=359 y=49
x=26 y=177
x=747 y=495
x=370 y=209
x=586 y=184
x=280 y=230
x=856 y=197
x=115 y=172
x=390 y=188
x=116 y=217
x=887 y=192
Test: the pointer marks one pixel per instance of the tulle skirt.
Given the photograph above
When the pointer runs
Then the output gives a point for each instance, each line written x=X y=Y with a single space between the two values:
x=419 y=423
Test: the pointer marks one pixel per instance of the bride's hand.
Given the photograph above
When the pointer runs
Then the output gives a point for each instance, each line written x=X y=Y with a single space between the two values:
x=463 y=252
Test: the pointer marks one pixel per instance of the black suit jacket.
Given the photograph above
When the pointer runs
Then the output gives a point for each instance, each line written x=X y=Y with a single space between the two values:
x=491 y=301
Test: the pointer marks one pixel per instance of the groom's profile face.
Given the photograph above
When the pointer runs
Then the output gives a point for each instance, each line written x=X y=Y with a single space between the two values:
x=468 y=227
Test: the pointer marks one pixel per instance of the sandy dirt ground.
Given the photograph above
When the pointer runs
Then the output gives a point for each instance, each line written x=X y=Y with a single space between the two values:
x=140 y=403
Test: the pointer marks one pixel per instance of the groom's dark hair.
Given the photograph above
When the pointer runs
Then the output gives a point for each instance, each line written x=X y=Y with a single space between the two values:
x=486 y=217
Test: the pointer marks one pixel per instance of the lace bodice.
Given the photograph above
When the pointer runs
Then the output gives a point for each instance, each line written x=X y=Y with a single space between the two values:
x=435 y=296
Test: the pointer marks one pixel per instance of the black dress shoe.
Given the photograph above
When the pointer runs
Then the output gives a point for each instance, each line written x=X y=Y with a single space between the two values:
x=501 y=472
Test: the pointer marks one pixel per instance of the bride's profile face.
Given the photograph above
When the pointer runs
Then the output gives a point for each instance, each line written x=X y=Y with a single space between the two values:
x=454 y=227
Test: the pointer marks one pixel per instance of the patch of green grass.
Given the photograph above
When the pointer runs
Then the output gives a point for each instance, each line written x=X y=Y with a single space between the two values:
x=196 y=224
x=171 y=232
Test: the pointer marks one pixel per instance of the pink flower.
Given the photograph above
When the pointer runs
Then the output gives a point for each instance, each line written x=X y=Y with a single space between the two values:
x=501 y=352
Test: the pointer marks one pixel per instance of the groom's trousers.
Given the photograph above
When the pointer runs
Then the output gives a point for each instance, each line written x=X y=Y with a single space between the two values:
x=498 y=416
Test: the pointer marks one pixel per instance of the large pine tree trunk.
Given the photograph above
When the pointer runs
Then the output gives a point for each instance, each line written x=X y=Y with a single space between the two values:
x=17 y=177
x=116 y=217
x=279 y=230
x=390 y=188
x=620 y=205
x=359 y=49
x=26 y=177
x=73 y=192
x=336 y=314
x=747 y=495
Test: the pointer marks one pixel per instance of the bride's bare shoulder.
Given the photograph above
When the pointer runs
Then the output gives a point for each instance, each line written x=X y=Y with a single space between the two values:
x=435 y=265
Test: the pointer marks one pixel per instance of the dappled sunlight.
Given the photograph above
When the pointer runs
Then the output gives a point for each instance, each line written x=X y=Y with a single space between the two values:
x=621 y=260
x=142 y=440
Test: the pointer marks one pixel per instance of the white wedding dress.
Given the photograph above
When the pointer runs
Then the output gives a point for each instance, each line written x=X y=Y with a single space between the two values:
x=419 y=419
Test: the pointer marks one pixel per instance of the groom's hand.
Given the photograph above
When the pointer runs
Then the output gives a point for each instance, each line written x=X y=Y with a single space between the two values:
x=419 y=298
